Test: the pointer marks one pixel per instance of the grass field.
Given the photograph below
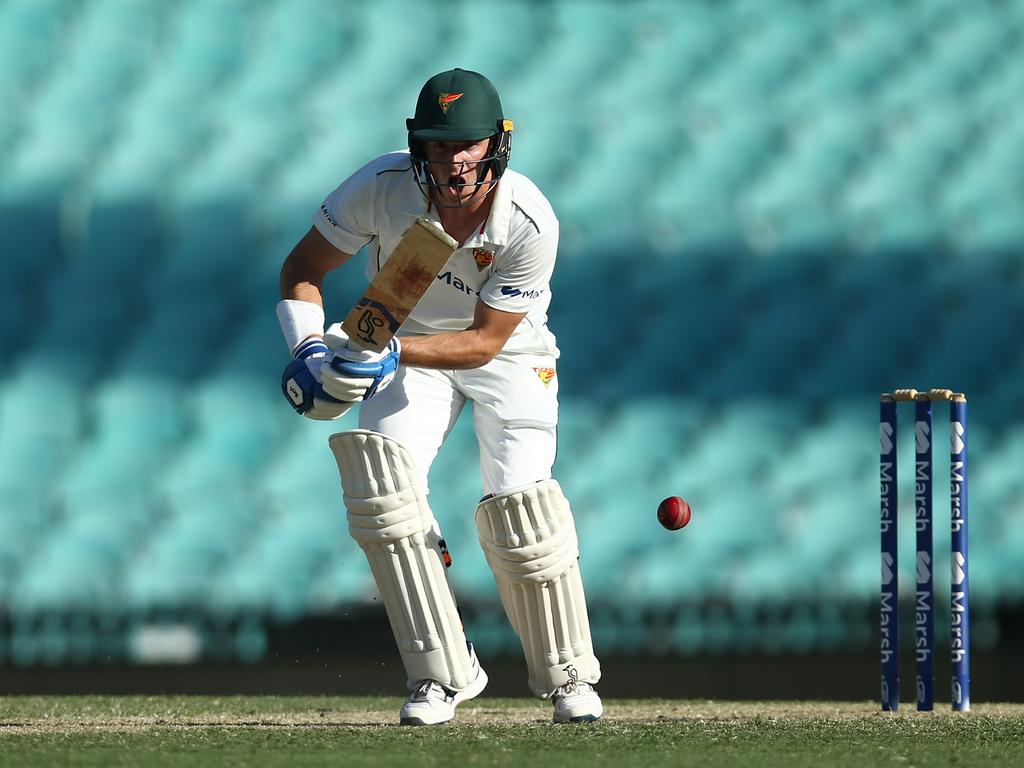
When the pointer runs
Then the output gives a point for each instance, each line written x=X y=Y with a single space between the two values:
x=307 y=731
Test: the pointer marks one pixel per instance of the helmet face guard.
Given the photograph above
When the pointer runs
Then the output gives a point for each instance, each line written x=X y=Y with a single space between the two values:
x=489 y=169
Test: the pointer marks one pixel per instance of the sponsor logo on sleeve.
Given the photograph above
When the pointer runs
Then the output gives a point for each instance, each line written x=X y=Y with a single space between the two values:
x=327 y=214
x=513 y=292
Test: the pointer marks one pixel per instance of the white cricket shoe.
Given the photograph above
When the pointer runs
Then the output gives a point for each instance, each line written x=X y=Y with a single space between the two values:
x=432 y=703
x=577 y=703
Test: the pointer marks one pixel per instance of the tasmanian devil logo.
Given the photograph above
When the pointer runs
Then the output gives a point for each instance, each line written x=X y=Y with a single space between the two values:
x=546 y=375
x=483 y=258
x=445 y=100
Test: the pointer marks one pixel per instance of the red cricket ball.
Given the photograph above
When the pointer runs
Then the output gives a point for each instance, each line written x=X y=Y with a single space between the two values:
x=674 y=512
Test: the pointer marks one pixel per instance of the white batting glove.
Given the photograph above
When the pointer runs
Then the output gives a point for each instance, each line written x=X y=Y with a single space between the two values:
x=357 y=374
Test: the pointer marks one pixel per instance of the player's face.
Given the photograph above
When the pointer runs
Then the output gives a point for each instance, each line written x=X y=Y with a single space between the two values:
x=453 y=164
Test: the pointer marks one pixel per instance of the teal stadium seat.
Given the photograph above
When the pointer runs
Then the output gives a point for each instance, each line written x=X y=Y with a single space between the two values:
x=818 y=157
x=165 y=126
x=35 y=444
x=725 y=145
x=138 y=425
x=730 y=448
x=777 y=201
x=549 y=148
x=316 y=167
x=386 y=98
x=69 y=572
x=763 y=53
x=24 y=518
x=631 y=449
x=346 y=581
x=266 y=580
x=274 y=76
x=244 y=151
x=998 y=477
x=476 y=50
x=607 y=185
x=239 y=419
x=174 y=338
x=959 y=53
x=29 y=32
x=256 y=345
x=184 y=557
x=209 y=40
x=992 y=94
x=315 y=539
x=859 y=53
x=303 y=473
x=832 y=452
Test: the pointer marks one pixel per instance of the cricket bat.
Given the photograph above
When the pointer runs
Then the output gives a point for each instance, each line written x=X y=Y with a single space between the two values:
x=400 y=284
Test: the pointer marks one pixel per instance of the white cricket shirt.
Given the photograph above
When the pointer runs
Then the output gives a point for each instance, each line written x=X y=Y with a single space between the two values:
x=507 y=263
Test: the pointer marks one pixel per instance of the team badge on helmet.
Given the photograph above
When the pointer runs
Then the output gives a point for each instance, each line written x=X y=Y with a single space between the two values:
x=483 y=258
x=546 y=375
x=445 y=100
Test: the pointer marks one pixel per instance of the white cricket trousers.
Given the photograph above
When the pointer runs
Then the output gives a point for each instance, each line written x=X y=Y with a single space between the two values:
x=515 y=414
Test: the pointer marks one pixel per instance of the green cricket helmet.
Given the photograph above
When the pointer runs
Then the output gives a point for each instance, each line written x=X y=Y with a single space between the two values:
x=459 y=105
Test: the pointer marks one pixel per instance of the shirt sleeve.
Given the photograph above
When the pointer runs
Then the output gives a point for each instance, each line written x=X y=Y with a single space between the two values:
x=522 y=276
x=346 y=218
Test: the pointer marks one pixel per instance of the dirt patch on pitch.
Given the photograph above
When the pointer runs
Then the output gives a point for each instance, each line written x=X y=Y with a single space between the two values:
x=501 y=713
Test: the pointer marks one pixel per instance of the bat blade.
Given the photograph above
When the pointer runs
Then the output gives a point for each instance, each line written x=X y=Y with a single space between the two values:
x=400 y=284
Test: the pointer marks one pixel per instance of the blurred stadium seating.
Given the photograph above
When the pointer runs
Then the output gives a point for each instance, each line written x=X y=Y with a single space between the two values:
x=782 y=208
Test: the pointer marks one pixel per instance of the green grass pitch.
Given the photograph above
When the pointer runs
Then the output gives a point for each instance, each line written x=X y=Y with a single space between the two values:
x=198 y=731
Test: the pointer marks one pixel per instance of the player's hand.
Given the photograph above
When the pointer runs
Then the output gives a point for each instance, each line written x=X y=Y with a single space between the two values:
x=358 y=374
x=302 y=387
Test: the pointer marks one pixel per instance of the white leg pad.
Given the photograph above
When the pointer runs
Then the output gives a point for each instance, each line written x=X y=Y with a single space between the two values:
x=389 y=517
x=529 y=539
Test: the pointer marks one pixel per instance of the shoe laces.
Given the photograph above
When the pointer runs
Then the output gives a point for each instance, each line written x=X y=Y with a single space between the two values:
x=430 y=689
x=571 y=688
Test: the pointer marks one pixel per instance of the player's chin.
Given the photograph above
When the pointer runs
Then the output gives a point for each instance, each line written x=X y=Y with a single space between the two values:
x=457 y=197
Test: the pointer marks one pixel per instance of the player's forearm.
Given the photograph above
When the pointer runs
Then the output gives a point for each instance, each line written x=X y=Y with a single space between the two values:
x=460 y=349
x=303 y=272
x=299 y=284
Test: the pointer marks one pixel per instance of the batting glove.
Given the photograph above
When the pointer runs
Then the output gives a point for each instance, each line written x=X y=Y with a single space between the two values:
x=302 y=387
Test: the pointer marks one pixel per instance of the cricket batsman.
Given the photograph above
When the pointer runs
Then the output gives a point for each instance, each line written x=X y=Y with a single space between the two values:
x=479 y=334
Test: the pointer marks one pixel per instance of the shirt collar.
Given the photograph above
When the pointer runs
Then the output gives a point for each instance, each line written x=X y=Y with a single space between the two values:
x=496 y=228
